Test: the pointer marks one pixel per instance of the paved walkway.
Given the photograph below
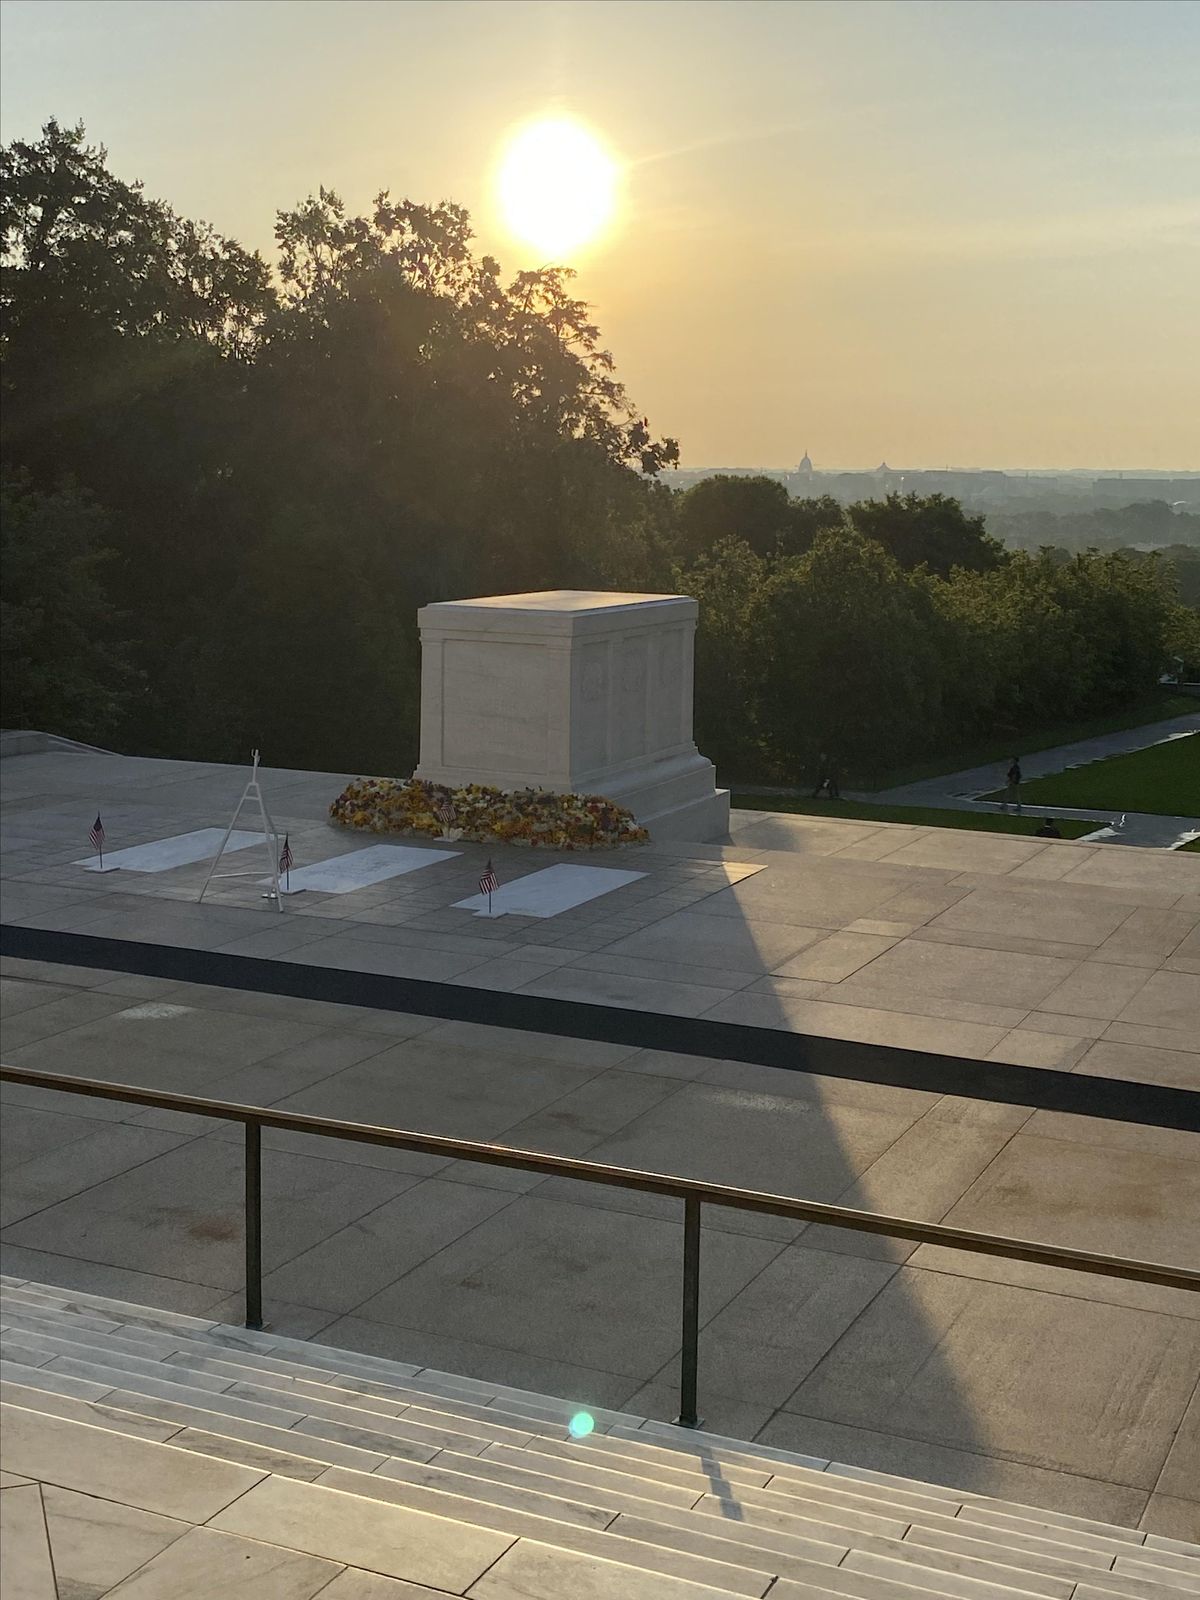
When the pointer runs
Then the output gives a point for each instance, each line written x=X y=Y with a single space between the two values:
x=960 y=791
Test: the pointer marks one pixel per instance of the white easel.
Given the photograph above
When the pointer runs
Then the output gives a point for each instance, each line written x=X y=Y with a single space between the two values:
x=252 y=791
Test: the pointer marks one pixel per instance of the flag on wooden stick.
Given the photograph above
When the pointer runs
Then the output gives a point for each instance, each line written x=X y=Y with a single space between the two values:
x=286 y=858
x=96 y=835
x=488 y=884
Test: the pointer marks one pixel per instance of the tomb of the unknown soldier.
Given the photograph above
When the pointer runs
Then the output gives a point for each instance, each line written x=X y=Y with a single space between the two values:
x=573 y=691
x=775 y=1204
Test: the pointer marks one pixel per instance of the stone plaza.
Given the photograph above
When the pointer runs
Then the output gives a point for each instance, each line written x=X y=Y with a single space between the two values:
x=1043 y=1386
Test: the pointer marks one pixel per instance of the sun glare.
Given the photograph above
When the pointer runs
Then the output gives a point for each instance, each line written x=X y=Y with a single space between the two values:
x=557 y=187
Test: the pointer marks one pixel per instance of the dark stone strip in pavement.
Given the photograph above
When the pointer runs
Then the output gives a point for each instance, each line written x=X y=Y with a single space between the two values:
x=1116 y=1099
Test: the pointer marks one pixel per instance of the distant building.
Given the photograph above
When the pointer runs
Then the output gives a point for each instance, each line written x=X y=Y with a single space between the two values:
x=978 y=489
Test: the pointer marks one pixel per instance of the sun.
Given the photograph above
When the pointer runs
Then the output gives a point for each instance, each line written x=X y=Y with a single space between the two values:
x=557 y=186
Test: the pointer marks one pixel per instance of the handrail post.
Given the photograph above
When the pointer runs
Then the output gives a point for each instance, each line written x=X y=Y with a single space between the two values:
x=253 y=1225
x=690 y=1352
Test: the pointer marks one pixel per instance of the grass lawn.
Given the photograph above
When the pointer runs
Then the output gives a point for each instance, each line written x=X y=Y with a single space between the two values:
x=1192 y=844
x=915 y=816
x=1165 y=778
x=1157 y=708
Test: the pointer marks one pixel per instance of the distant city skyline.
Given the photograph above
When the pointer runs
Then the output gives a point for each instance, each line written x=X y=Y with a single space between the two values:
x=913 y=228
x=819 y=466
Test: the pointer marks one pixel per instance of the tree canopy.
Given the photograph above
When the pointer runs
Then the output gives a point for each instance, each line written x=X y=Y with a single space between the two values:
x=229 y=486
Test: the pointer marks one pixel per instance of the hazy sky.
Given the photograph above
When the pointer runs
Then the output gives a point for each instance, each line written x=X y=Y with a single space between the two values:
x=957 y=233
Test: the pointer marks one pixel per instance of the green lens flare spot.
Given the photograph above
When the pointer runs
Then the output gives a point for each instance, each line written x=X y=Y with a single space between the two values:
x=580 y=1425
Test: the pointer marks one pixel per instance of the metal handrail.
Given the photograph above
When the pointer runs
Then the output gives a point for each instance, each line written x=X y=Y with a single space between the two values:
x=693 y=1192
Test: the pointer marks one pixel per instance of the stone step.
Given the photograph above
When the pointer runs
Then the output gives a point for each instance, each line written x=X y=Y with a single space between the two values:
x=346 y=1362
x=94 y=1412
x=1020 y=1549
x=362 y=1441
x=248 y=1443
x=989 y=1564
x=549 y=1518
x=482 y=1422
x=1180 y=1547
x=1052 y=1526
x=62 y=1345
x=498 y=1459
x=456 y=1472
x=230 y=1352
x=1158 y=1566
x=290 y=1408
x=342 y=1525
x=970 y=1558
x=543 y=1516
x=499 y=1481
x=1041 y=1556
x=810 y=1496
x=571 y=1468
x=726 y=1577
x=979 y=1507
x=393 y=1540
x=114 y=1406
x=876 y=1586
x=710 y=1546
x=174 y=1367
x=621 y=1455
x=489 y=1481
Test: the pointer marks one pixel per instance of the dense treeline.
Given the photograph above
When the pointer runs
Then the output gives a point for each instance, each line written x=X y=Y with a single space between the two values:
x=1148 y=523
x=227 y=488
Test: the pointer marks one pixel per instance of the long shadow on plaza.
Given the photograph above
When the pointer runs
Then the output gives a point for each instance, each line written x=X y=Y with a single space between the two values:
x=814 y=1340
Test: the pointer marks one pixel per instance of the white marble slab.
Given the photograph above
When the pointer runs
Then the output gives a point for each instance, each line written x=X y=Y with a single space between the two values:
x=95 y=1543
x=135 y=1472
x=28 y=1571
x=550 y=892
x=181 y=850
x=361 y=868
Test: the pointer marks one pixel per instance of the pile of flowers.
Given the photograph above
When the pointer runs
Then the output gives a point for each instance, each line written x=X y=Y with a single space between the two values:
x=486 y=816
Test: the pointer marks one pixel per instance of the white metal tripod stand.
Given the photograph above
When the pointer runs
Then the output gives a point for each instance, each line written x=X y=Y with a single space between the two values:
x=252 y=791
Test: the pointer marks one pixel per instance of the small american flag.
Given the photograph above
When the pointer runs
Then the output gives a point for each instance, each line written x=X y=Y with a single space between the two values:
x=445 y=813
x=96 y=833
x=488 y=882
x=286 y=859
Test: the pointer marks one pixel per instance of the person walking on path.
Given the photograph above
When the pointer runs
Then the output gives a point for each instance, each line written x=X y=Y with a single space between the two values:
x=1012 y=793
x=829 y=784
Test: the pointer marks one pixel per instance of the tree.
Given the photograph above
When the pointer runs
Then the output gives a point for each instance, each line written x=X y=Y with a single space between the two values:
x=754 y=510
x=1041 y=638
x=850 y=647
x=929 y=530
x=109 y=299
x=727 y=582
x=64 y=665
x=807 y=519
x=292 y=466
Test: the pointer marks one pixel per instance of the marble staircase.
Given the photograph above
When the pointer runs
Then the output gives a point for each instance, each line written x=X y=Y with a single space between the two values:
x=152 y=1456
